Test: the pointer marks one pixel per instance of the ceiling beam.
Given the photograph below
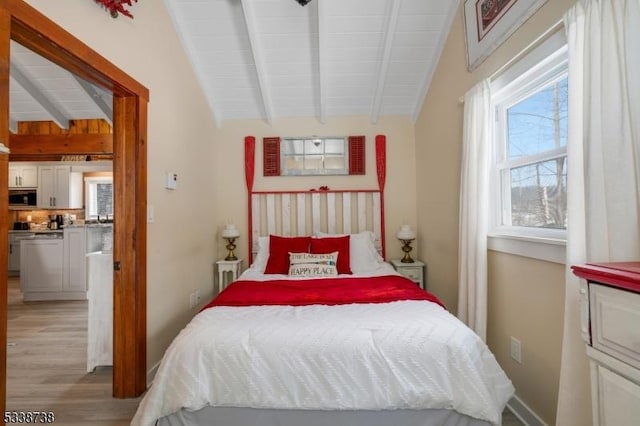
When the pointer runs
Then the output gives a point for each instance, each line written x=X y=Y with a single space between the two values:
x=256 y=51
x=29 y=86
x=322 y=60
x=94 y=94
x=393 y=10
x=66 y=144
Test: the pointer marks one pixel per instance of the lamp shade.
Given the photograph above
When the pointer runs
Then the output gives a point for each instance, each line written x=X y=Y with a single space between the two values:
x=406 y=233
x=230 y=231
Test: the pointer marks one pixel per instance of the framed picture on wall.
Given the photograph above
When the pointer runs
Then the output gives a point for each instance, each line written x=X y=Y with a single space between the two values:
x=488 y=23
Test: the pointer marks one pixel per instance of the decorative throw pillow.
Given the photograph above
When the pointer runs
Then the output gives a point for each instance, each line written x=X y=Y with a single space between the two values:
x=279 y=248
x=321 y=245
x=313 y=265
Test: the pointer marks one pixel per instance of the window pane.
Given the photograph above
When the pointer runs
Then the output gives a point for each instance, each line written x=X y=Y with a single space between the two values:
x=292 y=146
x=334 y=146
x=539 y=122
x=313 y=146
x=313 y=162
x=332 y=162
x=294 y=163
x=539 y=195
x=104 y=195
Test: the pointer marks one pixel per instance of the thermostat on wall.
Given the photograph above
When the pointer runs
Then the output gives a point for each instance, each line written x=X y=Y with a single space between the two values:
x=172 y=181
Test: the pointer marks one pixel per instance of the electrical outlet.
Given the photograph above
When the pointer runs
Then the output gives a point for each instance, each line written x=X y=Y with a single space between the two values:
x=192 y=300
x=197 y=297
x=516 y=350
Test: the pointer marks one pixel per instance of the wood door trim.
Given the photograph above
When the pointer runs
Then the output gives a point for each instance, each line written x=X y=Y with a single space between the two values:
x=24 y=24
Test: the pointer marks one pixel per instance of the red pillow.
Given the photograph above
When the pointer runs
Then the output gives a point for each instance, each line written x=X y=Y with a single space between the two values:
x=279 y=248
x=329 y=245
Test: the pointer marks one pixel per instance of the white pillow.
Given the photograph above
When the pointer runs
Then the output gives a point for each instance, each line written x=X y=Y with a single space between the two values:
x=363 y=256
x=260 y=261
x=313 y=265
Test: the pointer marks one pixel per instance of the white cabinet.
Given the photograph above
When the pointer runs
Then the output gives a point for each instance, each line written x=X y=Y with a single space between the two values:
x=41 y=268
x=413 y=270
x=100 y=311
x=14 y=250
x=613 y=341
x=60 y=188
x=75 y=276
x=53 y=268
x=23 y=176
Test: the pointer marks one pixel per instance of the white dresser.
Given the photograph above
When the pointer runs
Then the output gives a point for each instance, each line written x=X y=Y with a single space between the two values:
x=611 y=328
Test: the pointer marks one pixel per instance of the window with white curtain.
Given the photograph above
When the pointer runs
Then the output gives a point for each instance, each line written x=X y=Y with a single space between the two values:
x=529 y=167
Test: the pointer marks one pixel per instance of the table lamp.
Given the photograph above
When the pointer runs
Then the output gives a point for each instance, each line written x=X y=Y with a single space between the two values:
x=406 y=235
x=230 y=233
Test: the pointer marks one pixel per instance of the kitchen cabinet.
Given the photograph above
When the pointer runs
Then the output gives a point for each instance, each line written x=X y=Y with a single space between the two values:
x=23 y=176
x=59 y=188
x=52 y=267
x=14 y=250
x=75 y=278
x=41 y=268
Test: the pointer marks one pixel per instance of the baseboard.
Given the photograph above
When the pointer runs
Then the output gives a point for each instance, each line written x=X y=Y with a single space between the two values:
x=151 y=374
x=524 y=413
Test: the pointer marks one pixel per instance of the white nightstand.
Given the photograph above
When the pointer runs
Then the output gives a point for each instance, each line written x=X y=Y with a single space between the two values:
x=233 y=266
x=414 y=271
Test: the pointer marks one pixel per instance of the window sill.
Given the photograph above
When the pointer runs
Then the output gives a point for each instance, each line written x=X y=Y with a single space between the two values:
x=547 y=249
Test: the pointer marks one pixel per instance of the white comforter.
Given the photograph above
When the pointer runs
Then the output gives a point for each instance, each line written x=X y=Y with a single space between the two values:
x=399 y=355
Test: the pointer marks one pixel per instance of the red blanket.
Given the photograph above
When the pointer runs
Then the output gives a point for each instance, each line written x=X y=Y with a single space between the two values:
x=325 y=291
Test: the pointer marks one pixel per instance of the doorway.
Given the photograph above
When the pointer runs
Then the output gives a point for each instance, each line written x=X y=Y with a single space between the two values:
x=25 y=25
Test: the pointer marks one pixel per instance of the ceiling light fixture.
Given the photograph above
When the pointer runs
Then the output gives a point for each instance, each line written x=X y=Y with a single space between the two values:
x=303 y=2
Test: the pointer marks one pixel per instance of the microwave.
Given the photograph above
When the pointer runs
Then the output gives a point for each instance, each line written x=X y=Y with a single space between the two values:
x=23 y=197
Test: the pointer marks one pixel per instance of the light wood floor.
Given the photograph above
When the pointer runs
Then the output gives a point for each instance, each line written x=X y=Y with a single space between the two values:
x=46 y=365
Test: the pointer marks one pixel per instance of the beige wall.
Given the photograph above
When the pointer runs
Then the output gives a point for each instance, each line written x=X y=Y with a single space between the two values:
x=401 y=168
x=526 y=301
x=438 y=152
x=182 y=238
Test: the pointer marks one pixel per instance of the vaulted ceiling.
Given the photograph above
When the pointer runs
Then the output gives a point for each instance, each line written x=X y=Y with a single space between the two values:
x=271 y=59
x=40 y=90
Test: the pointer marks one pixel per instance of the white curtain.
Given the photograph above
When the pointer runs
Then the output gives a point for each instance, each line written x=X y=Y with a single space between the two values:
x=603 y=152
x=474 y=199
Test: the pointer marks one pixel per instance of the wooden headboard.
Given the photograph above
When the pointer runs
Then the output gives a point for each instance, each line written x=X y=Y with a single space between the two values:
x=294 y=213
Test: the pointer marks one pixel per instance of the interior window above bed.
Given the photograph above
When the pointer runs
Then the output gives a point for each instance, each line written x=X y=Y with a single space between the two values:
x=313 y=155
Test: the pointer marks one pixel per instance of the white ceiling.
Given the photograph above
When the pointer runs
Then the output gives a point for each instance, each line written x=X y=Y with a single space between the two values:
x=40 y=90
x=270 y=59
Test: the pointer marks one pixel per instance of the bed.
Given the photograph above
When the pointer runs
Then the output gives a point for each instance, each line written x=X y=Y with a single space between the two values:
x=321 y=331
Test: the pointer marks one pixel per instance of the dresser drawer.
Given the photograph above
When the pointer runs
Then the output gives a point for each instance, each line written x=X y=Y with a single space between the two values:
x=414 y=274
x=615 y=315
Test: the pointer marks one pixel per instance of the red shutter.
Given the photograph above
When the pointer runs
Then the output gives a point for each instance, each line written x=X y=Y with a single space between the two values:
x=356 y=155
x=271 y=156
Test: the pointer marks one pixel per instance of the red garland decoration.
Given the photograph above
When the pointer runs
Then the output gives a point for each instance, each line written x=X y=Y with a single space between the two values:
x=116 y=6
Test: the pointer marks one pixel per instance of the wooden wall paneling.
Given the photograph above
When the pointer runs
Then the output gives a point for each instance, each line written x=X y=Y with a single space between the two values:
x=5 y=32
